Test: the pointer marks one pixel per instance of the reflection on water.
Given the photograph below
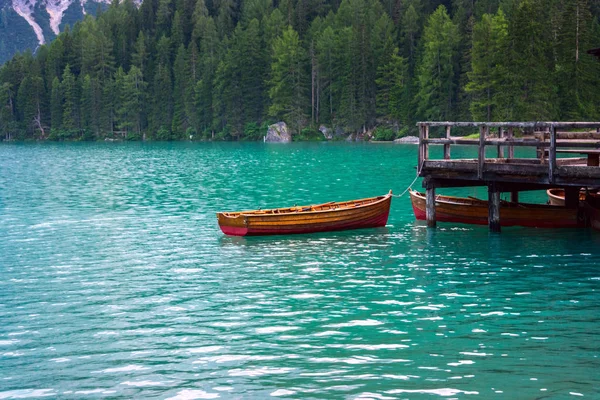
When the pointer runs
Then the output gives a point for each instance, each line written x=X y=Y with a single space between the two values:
x=373 y=235
x=117 y=282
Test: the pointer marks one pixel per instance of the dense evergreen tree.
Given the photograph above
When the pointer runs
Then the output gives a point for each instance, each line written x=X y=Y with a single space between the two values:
x=486 y=79
x=172 y=69
x=437 y=70
x=391 y=83
x=578 y=75
x=70 y=101
x=531 y=68
x=288 y=82
x=56 y=105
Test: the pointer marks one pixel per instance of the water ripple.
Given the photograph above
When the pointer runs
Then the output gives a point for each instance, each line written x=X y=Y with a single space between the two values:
x=116 y=282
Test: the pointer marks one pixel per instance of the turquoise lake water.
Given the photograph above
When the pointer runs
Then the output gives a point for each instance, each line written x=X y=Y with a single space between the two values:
x=116 y=282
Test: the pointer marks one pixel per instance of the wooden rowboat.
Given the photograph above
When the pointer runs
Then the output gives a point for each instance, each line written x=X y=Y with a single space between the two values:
x=556 y=196
x=333 y=216
x=475 y=211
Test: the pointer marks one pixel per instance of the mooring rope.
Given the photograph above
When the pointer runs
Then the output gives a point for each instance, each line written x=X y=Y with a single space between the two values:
x=409 y=186
x=407 y=189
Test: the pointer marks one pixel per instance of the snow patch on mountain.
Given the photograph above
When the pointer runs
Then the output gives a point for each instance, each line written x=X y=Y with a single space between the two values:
x=25 y=9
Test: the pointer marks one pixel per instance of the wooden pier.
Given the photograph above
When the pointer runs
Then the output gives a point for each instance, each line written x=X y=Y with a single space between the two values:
x=504 y=172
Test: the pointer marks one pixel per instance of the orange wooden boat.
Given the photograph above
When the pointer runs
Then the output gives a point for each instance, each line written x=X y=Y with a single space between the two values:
x=333 y=216
x=475 y=211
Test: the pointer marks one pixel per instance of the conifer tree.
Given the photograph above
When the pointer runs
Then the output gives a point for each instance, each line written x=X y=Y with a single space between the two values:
x=193 y=63
x=437 y=69
x=287 y=86
x=326 y=49
x=56 y=105
x=7 y=110
x=164 y=15
x=487 y=68
x=132 y=101
x=70 y=120
x=181 y=74
x=55 y=59
x=104 y=58
x=140 y=56
x=226 y=16
x=254 y=73
x=163 y=103
x=86 y=109
x=531 y=67
x=391 y=80
x=178 y=31
x=578 y=74
x=204 y=91
x=31 y=99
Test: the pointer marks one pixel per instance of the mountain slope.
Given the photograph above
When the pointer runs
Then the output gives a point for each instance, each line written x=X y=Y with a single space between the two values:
x=26 y=24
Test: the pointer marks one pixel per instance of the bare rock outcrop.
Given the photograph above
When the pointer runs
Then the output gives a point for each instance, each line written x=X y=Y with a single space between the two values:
x=278 y=133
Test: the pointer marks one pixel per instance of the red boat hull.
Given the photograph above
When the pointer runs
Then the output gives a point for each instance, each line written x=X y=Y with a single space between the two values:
x=472 y=211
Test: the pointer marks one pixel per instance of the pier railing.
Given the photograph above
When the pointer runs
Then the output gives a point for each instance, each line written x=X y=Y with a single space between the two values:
x=547 y=137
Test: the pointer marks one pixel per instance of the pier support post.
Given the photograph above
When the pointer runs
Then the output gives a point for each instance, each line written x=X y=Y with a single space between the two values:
x=493 y=208
x=514 y=197
x=447 y=146
x=430 y=207
x=571 y=197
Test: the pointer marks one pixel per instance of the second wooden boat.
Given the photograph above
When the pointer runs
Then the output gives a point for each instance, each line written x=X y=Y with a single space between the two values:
x=333 y=216
x=475 y=211
x=556 y=196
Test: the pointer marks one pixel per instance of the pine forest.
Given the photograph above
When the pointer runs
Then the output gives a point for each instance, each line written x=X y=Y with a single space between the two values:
x=226 y=69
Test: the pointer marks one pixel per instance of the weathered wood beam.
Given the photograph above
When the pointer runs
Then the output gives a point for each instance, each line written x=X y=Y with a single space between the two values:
x=502 y=186
x=493 y=208
x=520 y=125
x=552 y=155
x=575 y=181
x=560 y=143
x=447 y=145
x=491 y=142
x=585 y=144
x=450 y=183
x=426 y=144
x=571 y=161
x=481 y=157
x=510 y=137
x=572 y=171
x=421 y=144
x=430 y=207
x=500 y=148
